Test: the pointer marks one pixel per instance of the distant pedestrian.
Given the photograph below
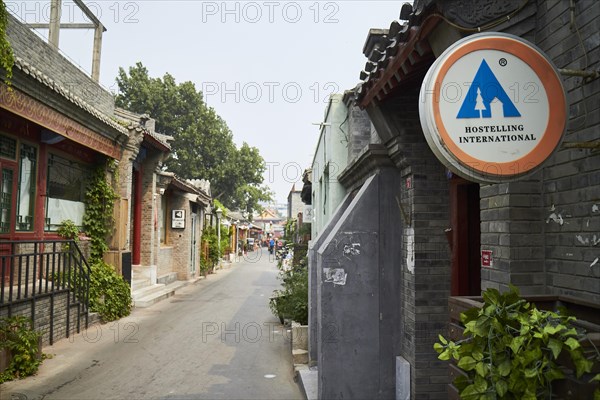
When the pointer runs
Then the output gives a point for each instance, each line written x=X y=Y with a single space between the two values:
x=271 y=245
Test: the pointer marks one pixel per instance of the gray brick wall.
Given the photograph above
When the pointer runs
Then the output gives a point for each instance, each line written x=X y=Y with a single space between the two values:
x=359 y=130
x=150 y=200
x=427 y=290
x=511 y=227
x=545 y=232
x=571 y=180
x=42 y=320
x=31 y=48
x=424 y=196
x=180 y=239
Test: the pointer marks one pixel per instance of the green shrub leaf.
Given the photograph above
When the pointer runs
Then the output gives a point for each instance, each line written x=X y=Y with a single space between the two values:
x=467 y=363
x=504 y=368
x=501 y=387
x=516 y=343
x=510 y=348
x=555 y=346
x=445 y=355
x=442 y=339
x=572 y=343
x=481 y=369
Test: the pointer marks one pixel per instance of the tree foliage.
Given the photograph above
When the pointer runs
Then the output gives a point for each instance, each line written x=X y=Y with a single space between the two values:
x=203 y=147
x=7 y=58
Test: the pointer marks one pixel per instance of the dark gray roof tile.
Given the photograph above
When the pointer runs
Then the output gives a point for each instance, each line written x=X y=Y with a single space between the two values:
x=30 y=70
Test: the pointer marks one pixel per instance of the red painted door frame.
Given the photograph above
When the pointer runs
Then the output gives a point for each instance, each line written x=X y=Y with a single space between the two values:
x=137 y=216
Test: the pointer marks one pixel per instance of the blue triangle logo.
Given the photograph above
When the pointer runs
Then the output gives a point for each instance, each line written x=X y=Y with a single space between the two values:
x=484 y=90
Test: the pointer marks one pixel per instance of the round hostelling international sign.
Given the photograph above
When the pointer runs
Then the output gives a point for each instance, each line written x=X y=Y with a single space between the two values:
x=493 y=107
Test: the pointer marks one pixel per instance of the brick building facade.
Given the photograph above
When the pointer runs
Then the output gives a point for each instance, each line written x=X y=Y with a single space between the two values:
x=541 y=231
x=56 y=128
x=159 y=251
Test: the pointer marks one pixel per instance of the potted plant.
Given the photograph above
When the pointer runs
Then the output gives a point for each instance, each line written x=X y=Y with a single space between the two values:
x=512 y=350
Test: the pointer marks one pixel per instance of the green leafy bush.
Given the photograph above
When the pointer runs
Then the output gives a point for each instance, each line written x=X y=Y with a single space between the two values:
x=68 y=230
x=99 y=205
x=511 y=348
x=18 y=336
x=292 y=301
x=300 y=259
x=290 y=228
x=110 y=295
x=209 y=235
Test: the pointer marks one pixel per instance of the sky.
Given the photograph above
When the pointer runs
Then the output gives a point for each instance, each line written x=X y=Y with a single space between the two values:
x=266 y=67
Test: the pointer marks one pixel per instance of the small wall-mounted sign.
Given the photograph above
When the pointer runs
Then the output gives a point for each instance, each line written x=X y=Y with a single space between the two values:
x=308 y=215
x=178 y=219
x=486 y=258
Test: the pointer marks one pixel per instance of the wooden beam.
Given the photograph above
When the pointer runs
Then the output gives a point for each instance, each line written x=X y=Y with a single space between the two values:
x=54 y=26
x=88 y=13
x=96 y=53
x=63 y=26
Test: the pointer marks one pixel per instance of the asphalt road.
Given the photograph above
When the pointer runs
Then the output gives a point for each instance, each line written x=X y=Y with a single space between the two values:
x=215 y=339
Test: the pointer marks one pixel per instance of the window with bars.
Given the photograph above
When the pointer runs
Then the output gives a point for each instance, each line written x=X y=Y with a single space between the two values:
x=8 y=147
x=6 y=184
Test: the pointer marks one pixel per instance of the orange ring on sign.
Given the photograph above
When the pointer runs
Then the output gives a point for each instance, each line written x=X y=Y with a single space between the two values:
x=556 y=105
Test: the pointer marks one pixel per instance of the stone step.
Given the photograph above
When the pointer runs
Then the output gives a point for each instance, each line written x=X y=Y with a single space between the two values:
x=308 y=383
x=167 y=278
x=139 y=283
x=160 y=294
x=300 y=356
x=93 y=317
x=141 y=272
x=146 y=291
x=136 y=269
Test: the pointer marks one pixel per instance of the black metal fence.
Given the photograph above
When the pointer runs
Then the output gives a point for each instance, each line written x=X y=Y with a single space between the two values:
x=32 y=270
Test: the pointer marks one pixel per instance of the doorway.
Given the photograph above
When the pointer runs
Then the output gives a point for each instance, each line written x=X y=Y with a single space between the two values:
x=465 y=238
x=193 y=244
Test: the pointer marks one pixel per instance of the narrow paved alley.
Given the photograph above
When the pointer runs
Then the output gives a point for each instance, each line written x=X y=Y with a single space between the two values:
x=215 y=339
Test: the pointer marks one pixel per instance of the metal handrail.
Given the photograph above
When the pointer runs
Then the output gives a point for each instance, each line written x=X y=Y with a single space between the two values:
x=33 y=269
